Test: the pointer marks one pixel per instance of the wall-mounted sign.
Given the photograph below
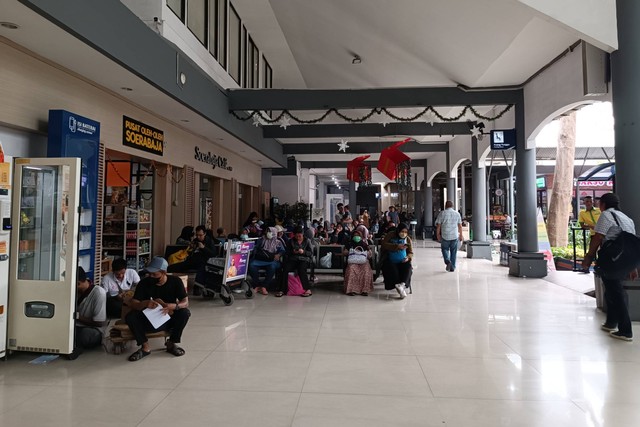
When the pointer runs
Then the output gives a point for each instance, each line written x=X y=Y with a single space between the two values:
x=212 y=159
x=142 y=137
x=503 y=139
x=541 y=182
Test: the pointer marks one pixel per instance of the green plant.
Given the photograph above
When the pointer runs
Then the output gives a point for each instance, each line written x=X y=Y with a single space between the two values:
x=567 y=252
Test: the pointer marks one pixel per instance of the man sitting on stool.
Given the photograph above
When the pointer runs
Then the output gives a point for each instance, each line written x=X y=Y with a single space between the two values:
x=158 y=289
x=92 y=315
x=117 y=283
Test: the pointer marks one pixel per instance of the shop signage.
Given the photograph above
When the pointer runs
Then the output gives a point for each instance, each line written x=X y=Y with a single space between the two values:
x=142 y=137
x=212 y=159
x=596 y=184
x=503 y=139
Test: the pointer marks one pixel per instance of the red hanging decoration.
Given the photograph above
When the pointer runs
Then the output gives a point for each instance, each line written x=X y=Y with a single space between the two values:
x=403 y=175
x=390 y=159
x=364 y=175
x=353 y=166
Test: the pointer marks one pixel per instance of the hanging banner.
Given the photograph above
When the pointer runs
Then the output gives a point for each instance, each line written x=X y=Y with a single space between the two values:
x=143 y=137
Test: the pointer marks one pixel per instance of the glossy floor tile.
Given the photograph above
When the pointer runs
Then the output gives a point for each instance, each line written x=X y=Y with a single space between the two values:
x=469 y=348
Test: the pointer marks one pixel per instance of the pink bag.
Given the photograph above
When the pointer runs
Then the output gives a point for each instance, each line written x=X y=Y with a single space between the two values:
x=294 y=286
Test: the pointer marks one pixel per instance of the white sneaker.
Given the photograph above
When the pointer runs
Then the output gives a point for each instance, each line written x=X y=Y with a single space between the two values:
x=404 y=290
x=401 y=290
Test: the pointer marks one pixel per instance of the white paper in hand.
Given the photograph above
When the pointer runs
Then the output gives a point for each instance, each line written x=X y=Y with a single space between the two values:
x=155 y=316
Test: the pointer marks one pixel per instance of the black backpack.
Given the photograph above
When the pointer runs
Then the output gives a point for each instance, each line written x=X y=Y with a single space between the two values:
x=618 y=257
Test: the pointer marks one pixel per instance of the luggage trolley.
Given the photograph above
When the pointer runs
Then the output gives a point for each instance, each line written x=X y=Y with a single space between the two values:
x=220 y=274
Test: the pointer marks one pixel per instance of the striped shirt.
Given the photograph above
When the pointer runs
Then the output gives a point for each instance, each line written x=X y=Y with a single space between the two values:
x=448 y=220
x=607 y=226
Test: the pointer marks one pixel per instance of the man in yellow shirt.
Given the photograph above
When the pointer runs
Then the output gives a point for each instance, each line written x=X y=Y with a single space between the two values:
x=589 y=217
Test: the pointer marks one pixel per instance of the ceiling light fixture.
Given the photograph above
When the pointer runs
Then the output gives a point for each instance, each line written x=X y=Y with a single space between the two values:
x=126 y=89
x=9 y=25
x=184 y=121
x=356 y=59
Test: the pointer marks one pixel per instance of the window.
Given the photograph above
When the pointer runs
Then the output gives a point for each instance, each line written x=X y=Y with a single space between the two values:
x=243 y=57
x=235 y=33
x=267 y=77
x=197 y=19
x=218 y=30
x=252 y=65
x=177 y=6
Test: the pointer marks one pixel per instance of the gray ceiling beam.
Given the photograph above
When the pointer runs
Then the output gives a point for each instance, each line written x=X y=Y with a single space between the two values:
x=366 y=129
x=362 y=148
x=343 y=164
x=310 y=99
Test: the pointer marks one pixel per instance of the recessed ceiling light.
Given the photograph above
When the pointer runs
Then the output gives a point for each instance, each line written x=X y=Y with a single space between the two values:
x=183 y=78
x=126 y=89
x=184 y=121
x=9 y=25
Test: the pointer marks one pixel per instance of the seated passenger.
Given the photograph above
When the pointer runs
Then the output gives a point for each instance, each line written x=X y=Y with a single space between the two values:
x=221 y=236
x=92 y=315
x=158 y=289
x=339 y=236
x=266 y=255
x=116 y=283
x=185 y=236
x=397 y=251
x=358 y=276
x=252 y=226
x=202 y=248
x=299 y=256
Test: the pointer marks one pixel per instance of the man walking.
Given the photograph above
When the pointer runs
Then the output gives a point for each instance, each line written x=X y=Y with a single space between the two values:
x=449 y=231
x=611 y=223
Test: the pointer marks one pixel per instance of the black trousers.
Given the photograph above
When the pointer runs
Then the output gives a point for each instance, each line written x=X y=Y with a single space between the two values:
x=617 y=306
x=140 y=325
x=396 y=273
x=299 y=267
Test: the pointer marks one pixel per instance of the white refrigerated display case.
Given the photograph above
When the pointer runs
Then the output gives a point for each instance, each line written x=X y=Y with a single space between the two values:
x=43 y=257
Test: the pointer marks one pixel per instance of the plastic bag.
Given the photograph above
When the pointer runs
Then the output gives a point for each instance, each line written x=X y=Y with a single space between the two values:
x=325 y=261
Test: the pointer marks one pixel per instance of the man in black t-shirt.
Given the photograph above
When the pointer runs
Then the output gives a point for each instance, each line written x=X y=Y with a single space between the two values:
x=158 y=289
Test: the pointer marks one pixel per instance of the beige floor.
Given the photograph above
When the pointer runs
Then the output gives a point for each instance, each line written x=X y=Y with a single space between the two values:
x=470 y=348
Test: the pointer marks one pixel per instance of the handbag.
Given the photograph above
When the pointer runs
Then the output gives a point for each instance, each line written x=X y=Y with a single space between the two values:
x=263 y=255
x=177 y=257
x=357 y=256
x=325 y=261
x=294 y=285
x=618 y=257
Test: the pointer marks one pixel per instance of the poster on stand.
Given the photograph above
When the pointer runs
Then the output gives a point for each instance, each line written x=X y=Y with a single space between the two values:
x=238 y=260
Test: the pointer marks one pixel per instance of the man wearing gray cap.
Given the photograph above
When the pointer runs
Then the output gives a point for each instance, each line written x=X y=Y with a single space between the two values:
x=158 y=289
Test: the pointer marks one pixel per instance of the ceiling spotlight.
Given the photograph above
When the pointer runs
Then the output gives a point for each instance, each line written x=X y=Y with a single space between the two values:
x=9 y=25
x=356 y=59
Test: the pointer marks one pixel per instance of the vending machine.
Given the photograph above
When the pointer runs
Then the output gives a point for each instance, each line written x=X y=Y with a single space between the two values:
x=5 y=234
x=43 y=255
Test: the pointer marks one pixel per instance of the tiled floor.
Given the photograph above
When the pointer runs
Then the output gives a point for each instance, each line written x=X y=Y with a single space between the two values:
x=470 y=348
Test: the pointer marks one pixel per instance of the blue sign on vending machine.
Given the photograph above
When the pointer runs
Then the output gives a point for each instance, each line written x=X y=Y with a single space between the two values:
x=71 y=135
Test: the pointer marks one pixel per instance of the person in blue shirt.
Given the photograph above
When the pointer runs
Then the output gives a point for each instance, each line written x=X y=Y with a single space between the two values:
x=397 y=252
x=449 y=232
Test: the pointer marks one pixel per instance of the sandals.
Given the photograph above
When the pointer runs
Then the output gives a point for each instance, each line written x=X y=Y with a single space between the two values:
x=264 y=291
x=175 y=350
x=139 y=354
x=306 y=294
x=279 y=294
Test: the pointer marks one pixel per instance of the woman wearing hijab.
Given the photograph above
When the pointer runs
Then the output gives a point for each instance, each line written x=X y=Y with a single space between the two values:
x=397 y=251
x=358 y=277
x=266 y=255
x=186 y=235
x=299 y=255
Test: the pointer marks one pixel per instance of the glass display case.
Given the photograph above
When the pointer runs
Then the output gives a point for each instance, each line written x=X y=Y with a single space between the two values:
x=44 y=255
x=43 y=223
